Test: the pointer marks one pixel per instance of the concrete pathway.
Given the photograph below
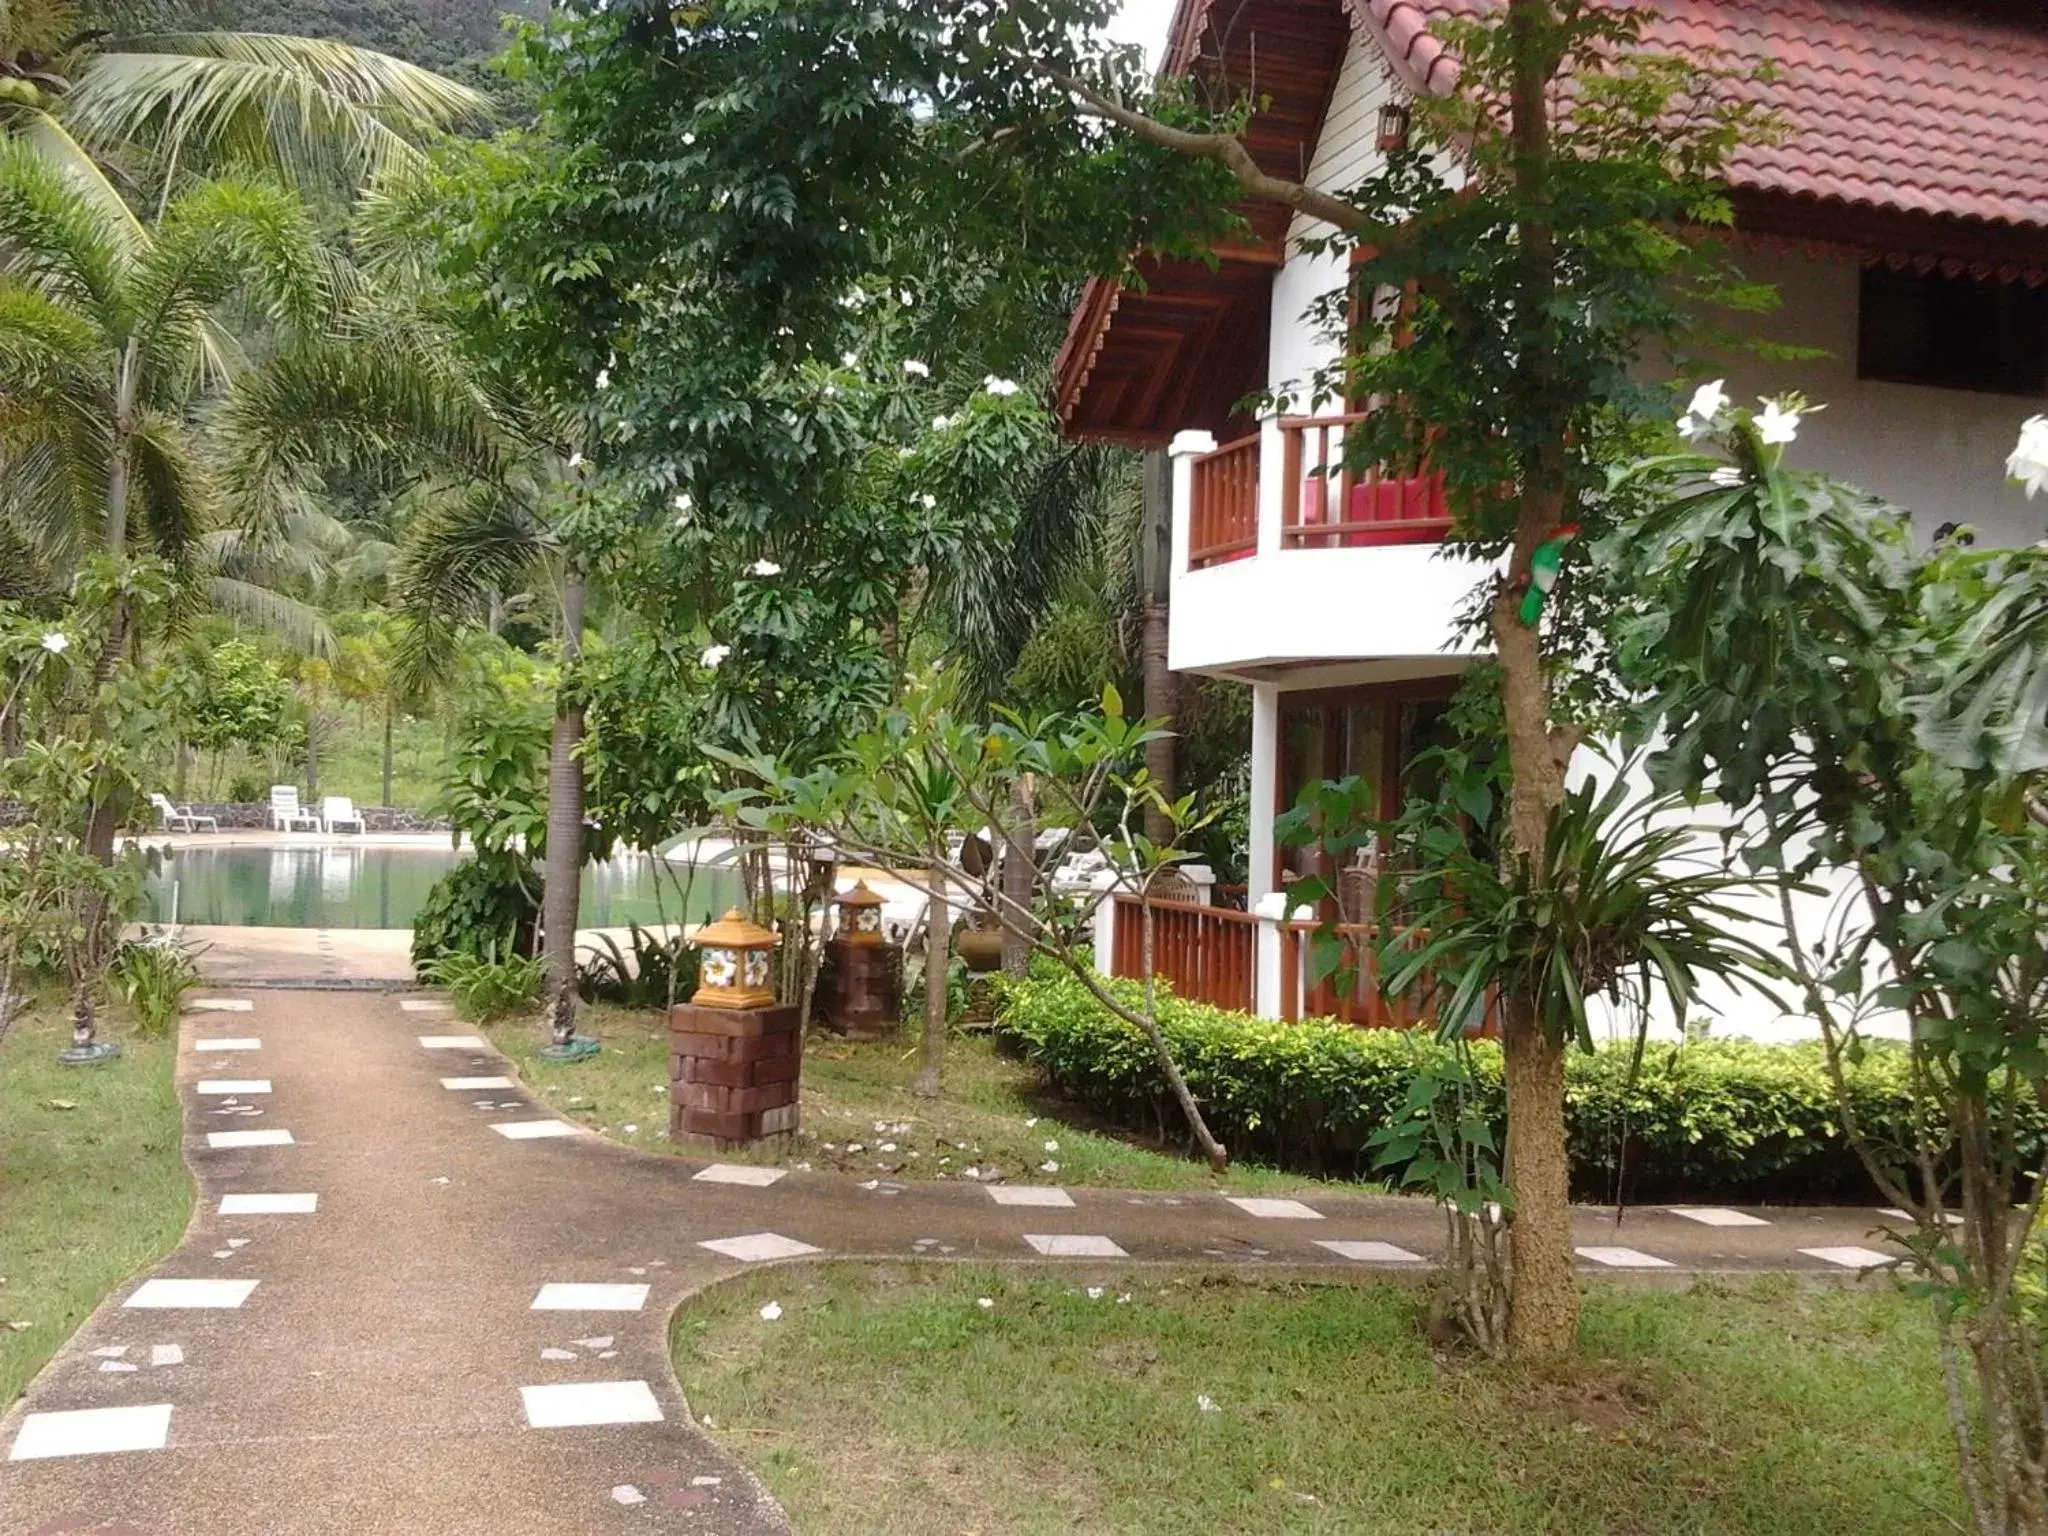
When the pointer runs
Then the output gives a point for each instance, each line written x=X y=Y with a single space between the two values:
x=413 y=1300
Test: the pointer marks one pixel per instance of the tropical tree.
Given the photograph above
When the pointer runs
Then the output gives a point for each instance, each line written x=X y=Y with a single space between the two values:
x=116 y=110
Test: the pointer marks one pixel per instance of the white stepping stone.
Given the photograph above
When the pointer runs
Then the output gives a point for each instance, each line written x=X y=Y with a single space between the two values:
x=551 y=1353
x=220 y=1005
x=756 y=1247
x=1368 y=1252
x=570 y=1404
x=249 y=1138
x=421 y=1005
x=108 y=1352
x=166 y=1354
x=161 y=1295
x=1623 y=1258
x=1029 y=1194
x=738 y=1173
x=1717 y=1216
x=628 y=1495
x=115 y=1365
x=1070 y=1245
x=452 y=1042
x=472 y=1084
x=92 y=1432
x=214 y=1085
x=595 y=1341
x=1898 y=1215
x=1274 y=1210
x=269 y=1205
x=1851 y=1257
x=533 y=1130
x=561 y=1296
x=232 y=1043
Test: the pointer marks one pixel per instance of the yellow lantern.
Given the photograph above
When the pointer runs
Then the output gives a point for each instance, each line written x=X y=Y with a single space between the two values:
x=733 y=972
x=860 y=915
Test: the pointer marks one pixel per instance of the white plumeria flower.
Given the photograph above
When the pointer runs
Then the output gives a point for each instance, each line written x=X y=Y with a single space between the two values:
x=916 y=369
x=1777 y=424
x=1727 y=476
x=1048 y=1167
x=850 y=359
x=1095 y=1293
x=905 y=297
x=689 y=139
x=604 y=378
x=766 y=568
x=2029 y=462
x=56 y=642
x=986 y=1303
x=771 y=1312
x=712 y=656
x=928 y=501
x=1709 y=400
x=1206 y=1403
x=941 y=423
x=682 y=503
x=576 y=460
x=996 y=386
x=1052 y=1146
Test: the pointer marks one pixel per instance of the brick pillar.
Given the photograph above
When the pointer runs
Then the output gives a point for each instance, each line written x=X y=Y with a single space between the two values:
x=734 y=1076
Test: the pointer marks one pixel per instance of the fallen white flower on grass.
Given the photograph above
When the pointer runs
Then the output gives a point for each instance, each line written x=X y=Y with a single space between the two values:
x=56 y=642
x=713 y=655
x=1206 y=1403
x=1031 y=1122
x=2028 y=465
x=630 y=1130
x=1048 y=1167
x=771 y=1312
x=1777 y=424
x=765 y=568
x=887 y=1146
x=1052 y=1146
x=916 y=369
x=1095 y=1293
x=986 y=1303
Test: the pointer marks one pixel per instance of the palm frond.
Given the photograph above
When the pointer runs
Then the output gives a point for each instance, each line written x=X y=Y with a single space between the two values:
x=169 y=487
x=302 y=413
x=53 y=141
x=462 y=548
x=309 y=108
x=298 y=624
x=56 y=240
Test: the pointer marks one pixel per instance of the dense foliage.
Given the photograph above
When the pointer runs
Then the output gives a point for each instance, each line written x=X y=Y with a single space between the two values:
x=1706 y=1120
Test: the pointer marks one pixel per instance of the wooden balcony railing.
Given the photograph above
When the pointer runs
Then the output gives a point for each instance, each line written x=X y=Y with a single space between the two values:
x=1207 y=954
x=1326 y=504
x=1223 y=517
x=1360 y=1002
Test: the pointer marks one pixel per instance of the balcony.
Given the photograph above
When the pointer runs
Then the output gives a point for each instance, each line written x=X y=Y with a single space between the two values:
x=1285 y=554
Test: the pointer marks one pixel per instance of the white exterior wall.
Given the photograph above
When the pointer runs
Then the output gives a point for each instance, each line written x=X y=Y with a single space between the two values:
x=1940 y=453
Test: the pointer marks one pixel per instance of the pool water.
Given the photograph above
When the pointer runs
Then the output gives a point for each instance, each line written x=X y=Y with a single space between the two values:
x=368 y=886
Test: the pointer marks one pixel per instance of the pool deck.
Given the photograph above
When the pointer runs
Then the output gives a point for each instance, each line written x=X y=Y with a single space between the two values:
x=328 y=957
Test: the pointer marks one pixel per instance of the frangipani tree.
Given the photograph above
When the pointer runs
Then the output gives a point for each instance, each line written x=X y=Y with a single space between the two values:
x=1876 y=712
x=901 y=793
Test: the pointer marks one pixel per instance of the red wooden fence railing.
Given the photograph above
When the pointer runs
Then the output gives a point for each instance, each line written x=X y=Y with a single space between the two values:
x=1359 y=1002
x=1325 y=504
x=1223 y=514
x=1207 y=954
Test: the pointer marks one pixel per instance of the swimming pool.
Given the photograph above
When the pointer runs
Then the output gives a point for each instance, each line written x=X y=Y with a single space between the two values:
x=367 y=885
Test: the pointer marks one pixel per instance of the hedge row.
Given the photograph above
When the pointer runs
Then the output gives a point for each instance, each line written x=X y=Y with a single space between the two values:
x=1710 y=1120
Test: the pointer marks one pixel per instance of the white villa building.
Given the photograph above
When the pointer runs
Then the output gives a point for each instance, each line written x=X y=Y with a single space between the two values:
x=1903 y=218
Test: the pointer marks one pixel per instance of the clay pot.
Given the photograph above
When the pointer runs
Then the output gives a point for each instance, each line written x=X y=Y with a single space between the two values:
x=981 y=948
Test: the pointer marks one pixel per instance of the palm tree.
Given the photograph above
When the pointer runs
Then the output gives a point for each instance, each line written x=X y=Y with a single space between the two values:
x=115 y=111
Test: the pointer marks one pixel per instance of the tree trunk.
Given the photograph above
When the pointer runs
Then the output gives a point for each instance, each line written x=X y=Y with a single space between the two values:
x=312 y=758
x=938 y=977
x=1162 y=687
x=387 y=751
x=562 y=887
x=1020 y=875
x=1543 y=1306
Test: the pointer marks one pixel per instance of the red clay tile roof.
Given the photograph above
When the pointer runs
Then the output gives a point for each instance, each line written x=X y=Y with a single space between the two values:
x=1886 y=104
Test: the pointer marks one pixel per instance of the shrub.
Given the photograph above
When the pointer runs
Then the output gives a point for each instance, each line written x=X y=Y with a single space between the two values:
x=152 y=976
x=484 y=906
x=607 y=976
x=487 y=988
x=247 y=789
x=1724 y=1120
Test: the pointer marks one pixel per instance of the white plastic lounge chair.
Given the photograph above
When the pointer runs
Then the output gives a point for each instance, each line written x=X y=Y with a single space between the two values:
x=180 y=818
x=286 y=814
x=340 y=811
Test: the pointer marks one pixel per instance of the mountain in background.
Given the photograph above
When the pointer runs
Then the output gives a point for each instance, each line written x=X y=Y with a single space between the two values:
x=452 y=36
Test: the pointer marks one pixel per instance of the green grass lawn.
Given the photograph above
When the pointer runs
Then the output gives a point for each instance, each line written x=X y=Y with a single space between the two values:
x=994 y=1117
x=886 y=1401
x=92 y=1186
